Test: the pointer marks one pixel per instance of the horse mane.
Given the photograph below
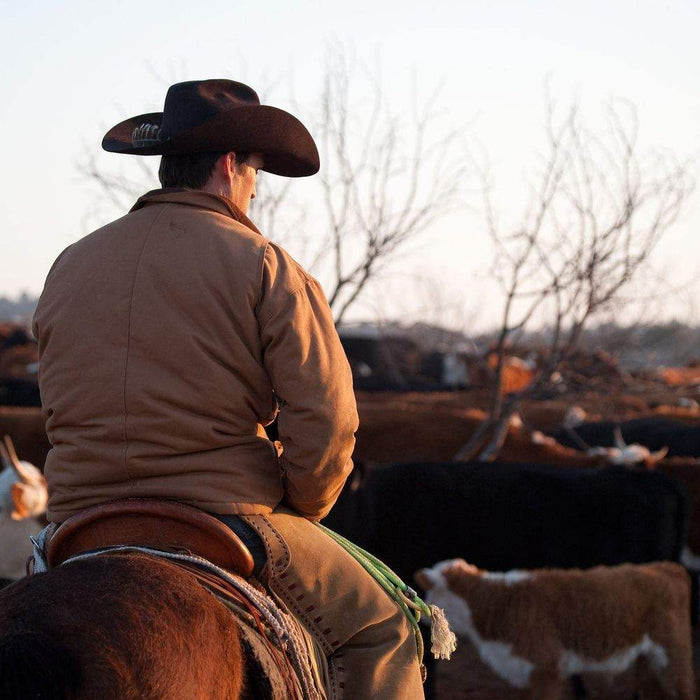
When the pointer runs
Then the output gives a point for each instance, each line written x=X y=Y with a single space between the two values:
x=117 y=626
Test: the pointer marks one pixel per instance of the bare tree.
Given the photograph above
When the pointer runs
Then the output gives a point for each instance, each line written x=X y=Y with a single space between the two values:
x=390 y=172
x=117 y=187
x=596 y=211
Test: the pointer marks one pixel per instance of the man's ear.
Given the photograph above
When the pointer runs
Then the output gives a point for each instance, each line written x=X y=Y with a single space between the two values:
x=225 y=166
x=231 y=162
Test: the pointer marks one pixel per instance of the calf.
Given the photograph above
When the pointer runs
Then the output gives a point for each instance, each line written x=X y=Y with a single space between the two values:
x=534 y=630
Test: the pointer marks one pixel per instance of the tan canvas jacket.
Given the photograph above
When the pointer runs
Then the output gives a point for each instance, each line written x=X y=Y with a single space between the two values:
x=166 y=340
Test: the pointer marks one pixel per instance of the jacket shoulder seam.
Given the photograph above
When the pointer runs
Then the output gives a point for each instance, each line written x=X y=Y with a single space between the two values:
x=290 y=296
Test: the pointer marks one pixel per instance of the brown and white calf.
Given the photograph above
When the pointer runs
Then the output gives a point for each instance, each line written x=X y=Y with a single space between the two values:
x=536 y=629
x=23 y=498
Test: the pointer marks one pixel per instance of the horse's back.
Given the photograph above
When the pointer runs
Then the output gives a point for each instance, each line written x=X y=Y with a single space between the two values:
x=117 y=626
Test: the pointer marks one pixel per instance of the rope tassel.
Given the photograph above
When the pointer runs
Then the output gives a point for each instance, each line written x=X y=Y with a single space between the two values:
x=442 y=639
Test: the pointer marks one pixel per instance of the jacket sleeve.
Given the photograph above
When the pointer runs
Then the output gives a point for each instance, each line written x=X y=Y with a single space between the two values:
x=311 y=377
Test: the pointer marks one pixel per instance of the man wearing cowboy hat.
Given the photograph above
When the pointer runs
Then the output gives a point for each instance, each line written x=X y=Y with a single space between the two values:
x=171 y=336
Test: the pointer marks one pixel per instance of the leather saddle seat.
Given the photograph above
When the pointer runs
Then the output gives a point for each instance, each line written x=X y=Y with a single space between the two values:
x=158 y=524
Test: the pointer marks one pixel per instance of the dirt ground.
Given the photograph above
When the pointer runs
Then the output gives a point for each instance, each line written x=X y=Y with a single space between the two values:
x=464 y=677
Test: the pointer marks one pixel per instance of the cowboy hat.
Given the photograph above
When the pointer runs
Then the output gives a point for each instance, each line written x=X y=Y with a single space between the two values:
x=210 y=116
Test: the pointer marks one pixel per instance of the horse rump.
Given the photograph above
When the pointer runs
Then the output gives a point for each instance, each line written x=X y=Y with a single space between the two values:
x=126 y=627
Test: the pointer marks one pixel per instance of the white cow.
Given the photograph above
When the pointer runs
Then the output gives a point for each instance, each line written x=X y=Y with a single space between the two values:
x=628 y=455
x=23 y=498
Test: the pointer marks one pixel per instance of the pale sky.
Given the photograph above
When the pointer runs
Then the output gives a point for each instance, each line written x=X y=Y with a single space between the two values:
x=75 y=68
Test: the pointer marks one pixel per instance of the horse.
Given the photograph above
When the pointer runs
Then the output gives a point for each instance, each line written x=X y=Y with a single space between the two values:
x=149 y=600
x=127 y=626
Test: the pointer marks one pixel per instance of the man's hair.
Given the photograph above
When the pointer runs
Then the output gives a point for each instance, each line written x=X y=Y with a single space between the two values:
x=191 y=170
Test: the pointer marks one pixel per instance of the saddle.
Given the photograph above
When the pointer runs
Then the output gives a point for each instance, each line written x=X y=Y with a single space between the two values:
x=158 y=524
x=182 y=529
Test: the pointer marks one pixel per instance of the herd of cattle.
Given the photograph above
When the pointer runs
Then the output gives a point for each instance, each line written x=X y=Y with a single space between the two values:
x=575 y=516
x=524 y=514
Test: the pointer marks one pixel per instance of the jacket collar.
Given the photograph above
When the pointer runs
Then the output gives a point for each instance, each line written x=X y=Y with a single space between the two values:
x=195 y=198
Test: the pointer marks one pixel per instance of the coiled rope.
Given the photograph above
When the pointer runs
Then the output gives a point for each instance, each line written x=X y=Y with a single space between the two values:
x=443 y=640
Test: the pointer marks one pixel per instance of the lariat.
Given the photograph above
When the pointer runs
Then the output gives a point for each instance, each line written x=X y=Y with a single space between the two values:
x=443 y=640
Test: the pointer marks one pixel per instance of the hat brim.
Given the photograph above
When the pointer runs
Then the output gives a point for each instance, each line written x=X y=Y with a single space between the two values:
x=286 y=145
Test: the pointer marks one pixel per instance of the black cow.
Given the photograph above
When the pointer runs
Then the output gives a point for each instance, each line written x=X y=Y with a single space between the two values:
x=652 y=432
x=19 y=392
x=508 y=516
x=12 y=335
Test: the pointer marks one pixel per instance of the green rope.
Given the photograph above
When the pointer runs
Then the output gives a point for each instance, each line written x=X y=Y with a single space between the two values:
x=404 y=596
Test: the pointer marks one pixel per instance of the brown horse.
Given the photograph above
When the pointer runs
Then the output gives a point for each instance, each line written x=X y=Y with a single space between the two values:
x=122 y=626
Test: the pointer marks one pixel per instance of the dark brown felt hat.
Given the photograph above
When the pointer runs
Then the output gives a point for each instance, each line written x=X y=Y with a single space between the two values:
x=212 y=116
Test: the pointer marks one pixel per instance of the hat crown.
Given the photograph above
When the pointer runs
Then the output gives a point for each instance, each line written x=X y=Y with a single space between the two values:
x=191 y=103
